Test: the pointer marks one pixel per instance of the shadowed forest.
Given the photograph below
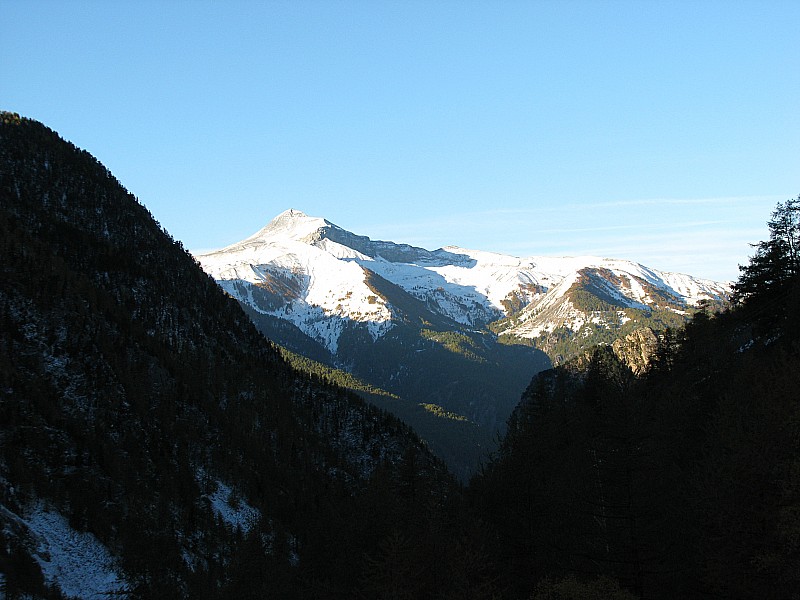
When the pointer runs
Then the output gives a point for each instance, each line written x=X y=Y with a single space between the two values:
x=132 y=390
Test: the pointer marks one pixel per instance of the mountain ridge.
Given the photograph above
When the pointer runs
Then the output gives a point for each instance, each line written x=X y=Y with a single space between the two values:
x=472 y=287
x=421 y=323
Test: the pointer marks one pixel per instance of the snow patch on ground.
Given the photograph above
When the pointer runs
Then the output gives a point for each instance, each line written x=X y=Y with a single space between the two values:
x=75 y=561
x=233 y=510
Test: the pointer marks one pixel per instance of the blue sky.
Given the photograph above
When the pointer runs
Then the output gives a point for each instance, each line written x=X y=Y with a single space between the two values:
x=662 y=132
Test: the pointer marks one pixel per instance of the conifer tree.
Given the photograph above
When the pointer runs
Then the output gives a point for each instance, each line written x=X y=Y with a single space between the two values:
x=776 y=261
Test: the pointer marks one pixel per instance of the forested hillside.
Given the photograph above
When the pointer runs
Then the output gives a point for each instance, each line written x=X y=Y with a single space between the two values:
x=145 y=417
x=153 y=444
x=682 y=483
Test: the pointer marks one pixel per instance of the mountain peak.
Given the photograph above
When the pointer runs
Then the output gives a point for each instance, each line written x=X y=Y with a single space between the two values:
x=290 y=220
x=291 y=224
x=292 y=213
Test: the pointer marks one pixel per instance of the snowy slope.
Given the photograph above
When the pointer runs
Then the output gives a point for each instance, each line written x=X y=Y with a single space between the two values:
x=318 y=285
x=312 y=273
x=234 y=511
x=75 y=562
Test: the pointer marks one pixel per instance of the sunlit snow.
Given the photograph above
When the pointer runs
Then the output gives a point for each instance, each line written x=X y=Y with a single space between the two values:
x=471 y=287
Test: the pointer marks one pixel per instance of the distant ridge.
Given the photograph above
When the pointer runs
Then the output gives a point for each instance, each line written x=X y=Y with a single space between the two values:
x=462 y=329
x=525 y=297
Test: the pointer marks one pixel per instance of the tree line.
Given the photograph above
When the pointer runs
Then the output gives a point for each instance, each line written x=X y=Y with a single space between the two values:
x=680 y=483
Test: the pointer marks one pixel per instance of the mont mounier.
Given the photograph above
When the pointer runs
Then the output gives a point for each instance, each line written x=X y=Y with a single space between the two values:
x=451 y=332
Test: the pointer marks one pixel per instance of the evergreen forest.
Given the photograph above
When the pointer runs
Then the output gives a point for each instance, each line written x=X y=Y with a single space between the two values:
x=134 y=394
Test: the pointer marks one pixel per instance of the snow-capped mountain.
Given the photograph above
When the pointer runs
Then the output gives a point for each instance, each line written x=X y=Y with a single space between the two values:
x=456 y=330
x=321 y=278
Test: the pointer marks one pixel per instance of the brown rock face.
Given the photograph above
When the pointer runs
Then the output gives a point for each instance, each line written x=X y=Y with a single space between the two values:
x=637 y=349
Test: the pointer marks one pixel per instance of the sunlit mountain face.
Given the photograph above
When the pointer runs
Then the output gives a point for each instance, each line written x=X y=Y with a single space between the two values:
x=460 y=329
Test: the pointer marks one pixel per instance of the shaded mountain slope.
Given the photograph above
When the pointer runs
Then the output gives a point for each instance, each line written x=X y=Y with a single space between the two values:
x=462 y=329
x=459 y=442
x=682 y=482
x=143 y=411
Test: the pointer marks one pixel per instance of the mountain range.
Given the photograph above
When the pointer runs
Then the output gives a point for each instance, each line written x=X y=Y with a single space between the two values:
x=154 y=444
x=319 y=277
x=458 y=331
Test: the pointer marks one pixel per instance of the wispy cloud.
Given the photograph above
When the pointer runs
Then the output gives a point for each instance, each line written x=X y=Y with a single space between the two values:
x=707 y=237
x=562 y=207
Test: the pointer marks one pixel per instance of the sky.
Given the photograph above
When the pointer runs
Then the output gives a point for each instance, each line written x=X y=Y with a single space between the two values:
x=663 y=132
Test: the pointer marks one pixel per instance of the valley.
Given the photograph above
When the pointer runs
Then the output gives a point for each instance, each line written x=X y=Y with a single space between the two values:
x=637 y=431
x=462 y=330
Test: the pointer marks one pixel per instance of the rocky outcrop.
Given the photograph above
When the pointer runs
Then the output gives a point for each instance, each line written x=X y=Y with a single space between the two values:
x=637 y=349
